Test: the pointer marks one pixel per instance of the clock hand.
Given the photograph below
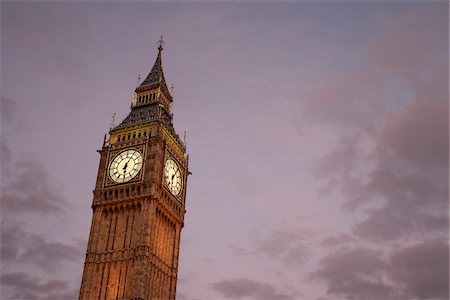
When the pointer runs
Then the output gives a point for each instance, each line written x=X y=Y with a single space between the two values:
x=126 y=164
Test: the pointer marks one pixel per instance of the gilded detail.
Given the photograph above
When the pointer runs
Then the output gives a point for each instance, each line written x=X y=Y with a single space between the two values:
x=139 y=202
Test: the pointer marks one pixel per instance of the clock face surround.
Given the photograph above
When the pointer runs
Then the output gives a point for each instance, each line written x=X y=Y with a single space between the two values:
x=125 y=166
x=172 y=175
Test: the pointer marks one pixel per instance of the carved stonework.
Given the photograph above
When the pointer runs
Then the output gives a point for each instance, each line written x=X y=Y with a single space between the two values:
x=134 y=241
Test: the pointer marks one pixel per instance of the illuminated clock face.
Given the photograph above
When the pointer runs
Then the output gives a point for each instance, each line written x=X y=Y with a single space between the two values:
x=173 y=178
x=125 y=166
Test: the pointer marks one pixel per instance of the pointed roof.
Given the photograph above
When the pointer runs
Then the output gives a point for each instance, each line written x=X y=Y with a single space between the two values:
x=156 y=76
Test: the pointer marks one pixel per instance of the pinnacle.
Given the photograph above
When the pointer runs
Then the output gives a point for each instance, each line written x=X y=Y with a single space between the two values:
x=156 y=76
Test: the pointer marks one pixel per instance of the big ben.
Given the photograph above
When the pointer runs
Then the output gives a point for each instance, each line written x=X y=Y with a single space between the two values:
x=139 y=201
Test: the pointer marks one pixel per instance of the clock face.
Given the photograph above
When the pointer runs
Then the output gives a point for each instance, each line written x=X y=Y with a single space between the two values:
x=125 y=166
x=173 y=178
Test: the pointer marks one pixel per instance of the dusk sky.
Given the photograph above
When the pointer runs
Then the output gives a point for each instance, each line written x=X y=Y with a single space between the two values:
x=317 y=132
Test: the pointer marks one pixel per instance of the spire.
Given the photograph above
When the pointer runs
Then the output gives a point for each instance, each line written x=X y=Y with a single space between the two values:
x=156 y=76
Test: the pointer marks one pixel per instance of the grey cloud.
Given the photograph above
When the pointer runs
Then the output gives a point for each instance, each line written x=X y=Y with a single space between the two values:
x=19 y=285
x=49 y=255
x=415 y=203
x=391 y=161
x=19 y=246
x=354 y=274
x=8 y=109
x=342 y=159
x=30 y=189
x=5 y=156
x=286 y=244
x=10 y=242
x=338 y=166
x=418 y=271
x=421 y=46
x=405 y=174
x=422 y=269
x=67 y=295
x=26 y=282
x=419 y=133
x=337 y=240
x=245 y=288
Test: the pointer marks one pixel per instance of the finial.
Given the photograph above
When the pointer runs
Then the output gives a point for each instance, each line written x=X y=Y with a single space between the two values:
x=161 y=44
x=113 y=119
x=139 y=80
x=171 y=89
x=160 y=109
x=184 y=138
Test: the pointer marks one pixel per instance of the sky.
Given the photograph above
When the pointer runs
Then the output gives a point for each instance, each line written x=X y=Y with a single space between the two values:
x=317 y=132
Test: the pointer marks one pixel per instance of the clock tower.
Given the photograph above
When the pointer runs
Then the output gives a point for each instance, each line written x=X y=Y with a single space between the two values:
x=139 y=201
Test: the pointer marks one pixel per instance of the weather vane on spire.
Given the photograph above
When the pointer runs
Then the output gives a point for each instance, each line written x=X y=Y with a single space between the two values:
x=161 y=43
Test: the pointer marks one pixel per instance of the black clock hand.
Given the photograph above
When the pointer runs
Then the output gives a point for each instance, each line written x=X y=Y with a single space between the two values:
x=126 y=164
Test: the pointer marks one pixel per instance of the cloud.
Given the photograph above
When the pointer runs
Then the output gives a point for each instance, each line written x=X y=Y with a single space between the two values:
x=428 y=120
x=26 y=185
x=411 y=44
x=30 y=189
x=422 y=269
x=8 y=109
x=18 y=285
x=417 y=271
x=10 y=245
x=245 y=288
x=337 y=240
x=354 y=273
x=414 y=202
x=287 y=245
x=21 y=247
x=351 y=99
x=391 y=159
x=5 y=156
x=410 y=175
x=26 y=282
